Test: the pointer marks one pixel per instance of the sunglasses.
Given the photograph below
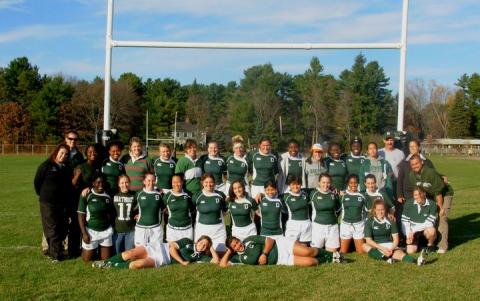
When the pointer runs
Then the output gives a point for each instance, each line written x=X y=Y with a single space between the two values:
x=72 y=139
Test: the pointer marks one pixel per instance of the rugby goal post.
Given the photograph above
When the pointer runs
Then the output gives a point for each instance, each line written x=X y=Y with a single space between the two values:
x=110 y=43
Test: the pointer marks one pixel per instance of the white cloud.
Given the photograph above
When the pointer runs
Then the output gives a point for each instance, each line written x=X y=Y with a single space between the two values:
x=11 y=4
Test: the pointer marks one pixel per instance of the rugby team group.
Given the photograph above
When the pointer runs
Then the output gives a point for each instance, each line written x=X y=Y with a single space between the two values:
x=136 y=211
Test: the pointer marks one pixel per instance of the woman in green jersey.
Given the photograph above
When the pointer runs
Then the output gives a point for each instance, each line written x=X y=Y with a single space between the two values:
x=355 y=159
x=112 y=168
x=291 y=164
x=164 y=167
x=353 y=216
x=125 y=208
x=336 y=167
x=381 y=237
x=299 y=226
x=83 y=173
x=210 y=206
x=325 y=211
x=271 y=210
x=264 y=165
x=242 y=210
x=237 y=165
x=157 y=254
x=214 y=164
x=95 y=216
x=372 y=192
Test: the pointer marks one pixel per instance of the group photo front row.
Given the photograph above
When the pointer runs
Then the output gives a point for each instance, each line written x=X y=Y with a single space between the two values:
x=259 y=208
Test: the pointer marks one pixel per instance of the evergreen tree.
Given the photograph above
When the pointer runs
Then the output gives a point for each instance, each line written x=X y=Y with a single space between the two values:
x=459 y=117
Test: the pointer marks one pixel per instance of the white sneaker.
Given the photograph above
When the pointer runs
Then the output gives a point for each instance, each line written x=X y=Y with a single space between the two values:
x=390 y=260
x=422 y=259
x=441 y=251
x=100 y=264
x=337 y=257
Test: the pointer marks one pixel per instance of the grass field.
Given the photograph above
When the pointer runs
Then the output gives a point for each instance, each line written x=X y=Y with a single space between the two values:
x=25 y=274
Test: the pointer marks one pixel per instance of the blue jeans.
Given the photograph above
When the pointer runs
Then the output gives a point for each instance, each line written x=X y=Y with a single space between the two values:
x=123 y=241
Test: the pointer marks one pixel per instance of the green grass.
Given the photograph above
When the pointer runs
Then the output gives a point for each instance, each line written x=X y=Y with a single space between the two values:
x=25 y=274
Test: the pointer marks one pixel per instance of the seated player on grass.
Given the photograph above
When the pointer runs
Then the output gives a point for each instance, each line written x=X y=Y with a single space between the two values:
x=260 y=250
x=157 y=254
x=95 y=217
x=418 y=219
x=381 y=237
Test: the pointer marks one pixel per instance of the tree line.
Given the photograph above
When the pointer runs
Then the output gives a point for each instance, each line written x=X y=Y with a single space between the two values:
x=313 y=106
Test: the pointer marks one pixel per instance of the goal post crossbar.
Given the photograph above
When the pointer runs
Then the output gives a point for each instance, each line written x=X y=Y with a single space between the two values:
x=111 y=43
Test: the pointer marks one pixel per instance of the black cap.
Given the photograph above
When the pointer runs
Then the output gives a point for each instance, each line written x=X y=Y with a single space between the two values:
x=356 y=139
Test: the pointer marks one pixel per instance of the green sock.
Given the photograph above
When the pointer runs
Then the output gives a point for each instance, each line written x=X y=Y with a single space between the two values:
x=116 y=259
x=324 y=256
x=408 y=258
x=122 y=265
x=375 y=254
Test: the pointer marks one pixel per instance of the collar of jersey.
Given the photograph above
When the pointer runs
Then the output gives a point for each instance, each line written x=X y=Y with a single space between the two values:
x=295 y=194
x=166 y=161
x=142 y=156
x=353 y=193
x=356 y=157
x=178 y=194
x=190 y=158
x=385 y=220
x=427 y=203
x=324 y=192
x=242 y=200
x=271 y=200
x=115 y=161
x=150 y=192
x=215 y=158
x=375 y=193
x=288 y=156
x=410 y=155
x=207 y=193
x=267 y=155
x=99 y=194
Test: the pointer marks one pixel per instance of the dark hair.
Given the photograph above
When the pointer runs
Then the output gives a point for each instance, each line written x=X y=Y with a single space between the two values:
x=148 y=173
x=123 y=176
x=165 y=145
x=416 y=141
x=209 y=240
x=419 y=189
x=231 y=194
x=89 y=146
x=179 y=175
x=293 y=141
x=332 y=145
x=324 y=175
x=416 y=157
x=230 y=239
x=189 y=143
x=207 y=175
x=265 y=138
x=352 y=177
x=372 y=143
x=54 y=154
x=356 y=140
x=376 y=202
x=294 y=179
x=98 y=175
x=114 y=143
x=370 y=176
x=270 y=183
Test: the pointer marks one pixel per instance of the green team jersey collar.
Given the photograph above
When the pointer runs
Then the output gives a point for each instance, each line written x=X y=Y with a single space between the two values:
x=357 y=157
x=99 y=194
x=374 y=193
x=191 y=159
x=427 y=203
x=323 y=192
x=353 y=193
x=178 y=194
x=383 y=221
x=208 y=193
x=150 y=192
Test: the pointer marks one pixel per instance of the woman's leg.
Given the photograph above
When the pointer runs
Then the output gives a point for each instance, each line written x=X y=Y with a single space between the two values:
x=142 y=263
x=105 y=252
x=344 y=245
x=411 y=249
x=135 y=253
x=302 y=250
x=358 y=245
x=87 y=255
x=366 y=248
x=304 y=261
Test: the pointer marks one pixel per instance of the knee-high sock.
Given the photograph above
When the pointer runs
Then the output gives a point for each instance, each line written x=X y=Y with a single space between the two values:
x=375 y=254
x=324 y=256
x=116 y=259
x=408 y=258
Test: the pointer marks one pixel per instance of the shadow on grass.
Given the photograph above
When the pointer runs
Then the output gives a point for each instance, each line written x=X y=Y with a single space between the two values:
x=463 y=229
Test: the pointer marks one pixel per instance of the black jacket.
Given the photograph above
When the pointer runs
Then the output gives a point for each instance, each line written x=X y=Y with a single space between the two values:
x=53 y=183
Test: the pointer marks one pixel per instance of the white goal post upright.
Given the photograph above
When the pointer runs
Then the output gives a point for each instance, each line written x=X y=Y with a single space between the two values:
x=110 y=43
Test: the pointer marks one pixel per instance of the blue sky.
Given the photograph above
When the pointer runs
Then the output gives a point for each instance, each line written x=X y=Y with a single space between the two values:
x=68 y=36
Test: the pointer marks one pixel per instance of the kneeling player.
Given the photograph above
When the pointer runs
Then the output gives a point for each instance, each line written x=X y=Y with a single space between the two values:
x=381 y=237
x=157 y=254
x=418 y=219
x=260 y=250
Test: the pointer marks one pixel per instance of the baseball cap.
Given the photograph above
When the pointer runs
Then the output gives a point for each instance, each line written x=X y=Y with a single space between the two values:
x=317 y=147
x=356 y=139
x=389 y=134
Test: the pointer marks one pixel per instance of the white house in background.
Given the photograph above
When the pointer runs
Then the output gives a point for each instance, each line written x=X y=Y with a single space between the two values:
x=186 y=130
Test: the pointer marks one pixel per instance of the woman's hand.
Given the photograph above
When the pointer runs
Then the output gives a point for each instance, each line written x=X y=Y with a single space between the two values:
x=409 y=239
x=392 y=217
x=85 y=192
x=262 y=260
x=386 y=251
x=185 y=263
x=86 y=238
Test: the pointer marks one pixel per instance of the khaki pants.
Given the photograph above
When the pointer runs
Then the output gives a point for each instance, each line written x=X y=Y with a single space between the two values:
x=443 y=224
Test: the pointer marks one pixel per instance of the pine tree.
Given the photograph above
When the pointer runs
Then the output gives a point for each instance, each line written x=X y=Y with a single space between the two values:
x=459 y=117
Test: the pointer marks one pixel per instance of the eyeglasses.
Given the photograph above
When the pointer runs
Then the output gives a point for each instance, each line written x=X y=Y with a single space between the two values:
x=72 y=139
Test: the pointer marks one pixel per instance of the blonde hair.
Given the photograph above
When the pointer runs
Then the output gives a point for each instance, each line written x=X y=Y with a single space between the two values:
x=237 y=139
x=376 y=202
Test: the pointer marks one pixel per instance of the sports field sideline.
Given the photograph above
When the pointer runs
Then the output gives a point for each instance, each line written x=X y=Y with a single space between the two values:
x=26 y=274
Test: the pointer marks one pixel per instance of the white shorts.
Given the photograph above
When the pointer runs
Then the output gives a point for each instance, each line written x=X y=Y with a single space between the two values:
x=159 y=252
x=299 y=230
x=177 y=234
x=274 y=236
x=217 y=233
x=349 y=230
x=102 y=238
x=144 y=236
x=285 y=250
x=244 y=232
x=227 y=188
x=325 y=236
x=256 y=190
x=421 y=227
x=387 y=245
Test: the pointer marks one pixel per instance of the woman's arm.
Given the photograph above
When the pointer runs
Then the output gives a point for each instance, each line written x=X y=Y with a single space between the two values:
x=225 y=261
x=215 y=257
x=173 y=249
x=262 y=260
x=373 y=244
x=82 y=221
x=77 y=172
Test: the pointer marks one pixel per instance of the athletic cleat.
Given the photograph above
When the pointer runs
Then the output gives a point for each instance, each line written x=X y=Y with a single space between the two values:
x=422 y=259
x=441 y=251
x=337 y=257
x=100 y=264
x=390 y=261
